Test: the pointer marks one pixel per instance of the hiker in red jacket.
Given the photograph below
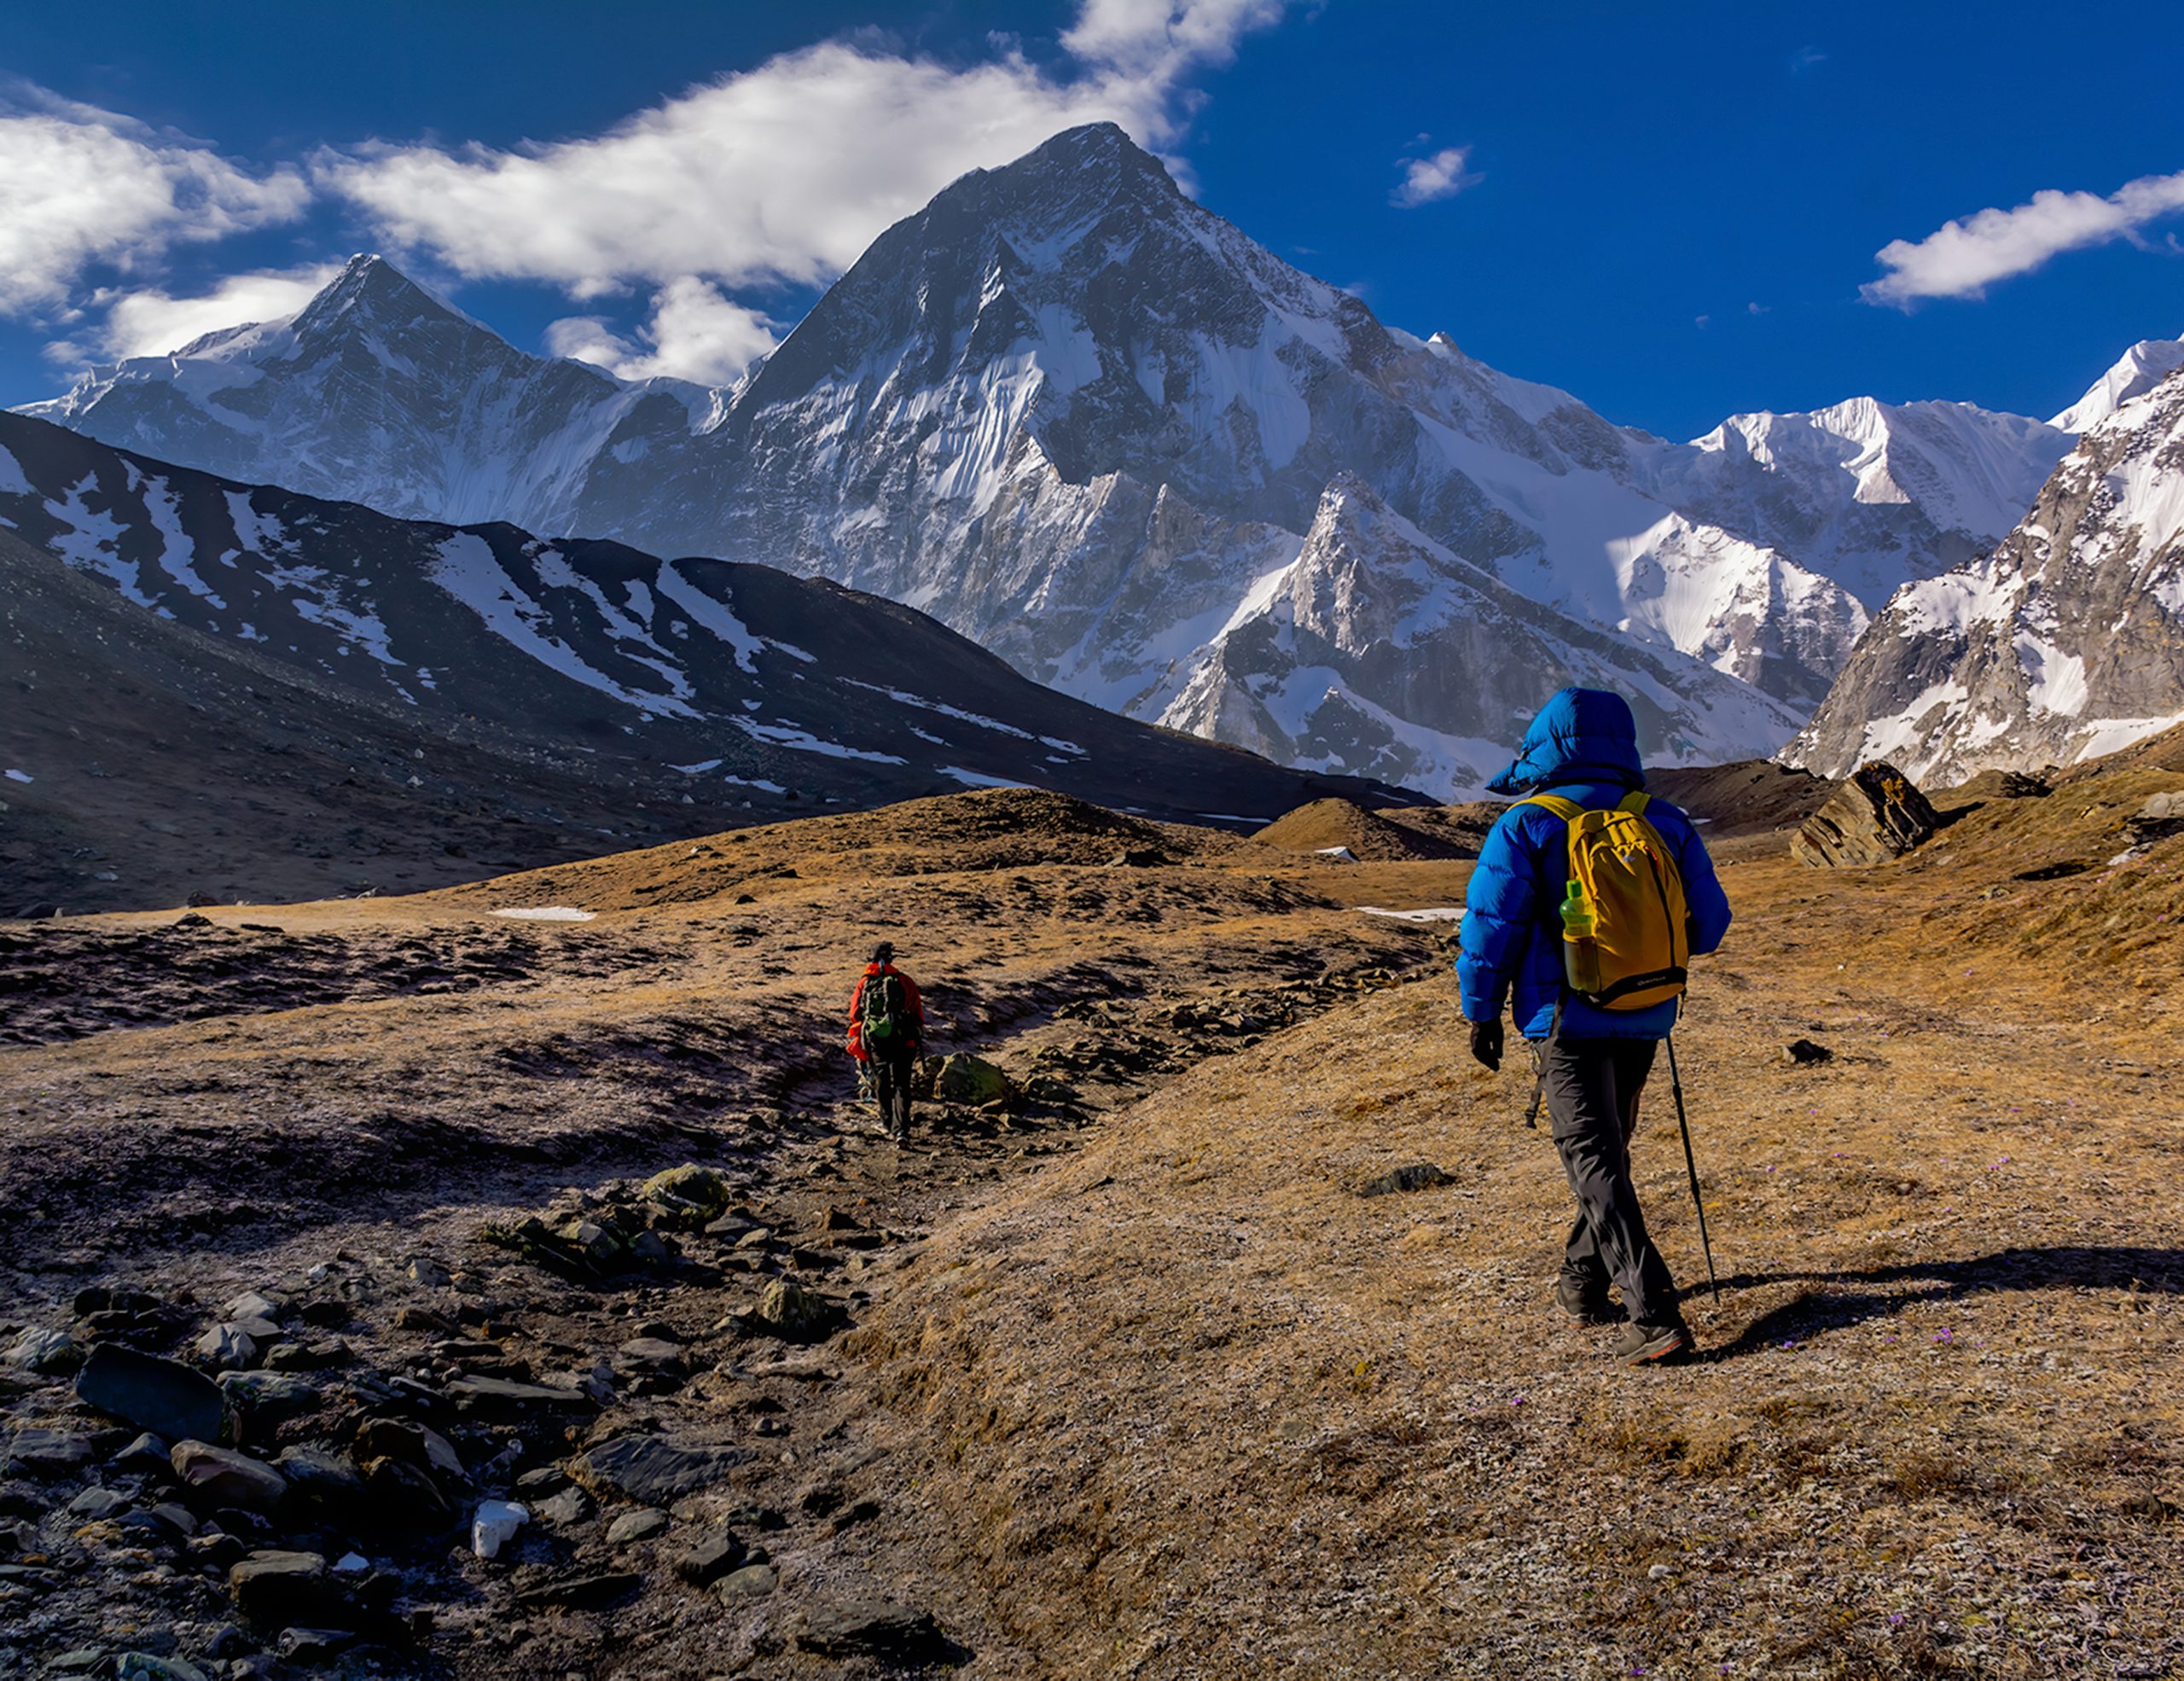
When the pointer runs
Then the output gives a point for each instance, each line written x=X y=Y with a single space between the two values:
x=886 y=1031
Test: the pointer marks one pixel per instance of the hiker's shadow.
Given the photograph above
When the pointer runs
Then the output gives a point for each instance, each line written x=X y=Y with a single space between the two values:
x=1837 y=1301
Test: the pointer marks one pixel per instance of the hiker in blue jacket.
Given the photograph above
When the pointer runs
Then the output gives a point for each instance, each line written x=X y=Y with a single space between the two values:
x=1592 y=1062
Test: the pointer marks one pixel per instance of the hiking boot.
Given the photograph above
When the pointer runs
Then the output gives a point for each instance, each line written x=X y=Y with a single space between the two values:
x=1586 y=1300
x=1651 y=1345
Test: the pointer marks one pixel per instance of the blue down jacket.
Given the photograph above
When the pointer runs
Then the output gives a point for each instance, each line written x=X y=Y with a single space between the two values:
x=1583 y=746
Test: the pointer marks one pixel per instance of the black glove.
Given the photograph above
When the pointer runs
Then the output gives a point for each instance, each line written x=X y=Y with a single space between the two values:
x=1486 y=1043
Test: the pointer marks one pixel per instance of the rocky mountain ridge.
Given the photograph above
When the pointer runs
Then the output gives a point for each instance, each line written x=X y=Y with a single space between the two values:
x=2065 y=644
x=1083 y=420
x=643 y=693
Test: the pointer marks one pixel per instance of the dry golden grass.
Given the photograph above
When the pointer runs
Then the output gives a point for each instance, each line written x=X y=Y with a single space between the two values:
x=1162 y=1395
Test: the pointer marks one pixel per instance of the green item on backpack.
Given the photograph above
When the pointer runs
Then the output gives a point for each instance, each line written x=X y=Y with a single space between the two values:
x=1581 y=950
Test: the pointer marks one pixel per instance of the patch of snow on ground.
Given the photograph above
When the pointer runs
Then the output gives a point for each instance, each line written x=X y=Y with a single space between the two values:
x=19 y=777
x=974 y=779
x=1440 y=913
x=802 y=740
x=547 y=913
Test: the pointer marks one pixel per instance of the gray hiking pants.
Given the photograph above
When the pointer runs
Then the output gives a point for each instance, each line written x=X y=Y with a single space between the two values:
x=891 y=1085
x=1592 y=1088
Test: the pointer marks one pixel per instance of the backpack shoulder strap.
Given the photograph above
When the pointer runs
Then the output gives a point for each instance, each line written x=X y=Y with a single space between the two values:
x=1636 y=803
x=1568 y=810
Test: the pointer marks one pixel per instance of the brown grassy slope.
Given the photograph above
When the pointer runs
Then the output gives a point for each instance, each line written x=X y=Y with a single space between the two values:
x=1326 y=825
x=1188 y=1402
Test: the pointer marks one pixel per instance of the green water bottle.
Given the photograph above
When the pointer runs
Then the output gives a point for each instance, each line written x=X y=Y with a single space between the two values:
x=1581 y=949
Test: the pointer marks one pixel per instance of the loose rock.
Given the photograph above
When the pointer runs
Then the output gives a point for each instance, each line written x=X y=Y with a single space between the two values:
x=1414 y=1175
x=655 y=1472
x=163 y=1397
x=219 y=1477
x=634 y=1527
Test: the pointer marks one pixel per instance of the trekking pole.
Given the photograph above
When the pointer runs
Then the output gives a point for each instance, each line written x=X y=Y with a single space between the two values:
x=1691 y=1166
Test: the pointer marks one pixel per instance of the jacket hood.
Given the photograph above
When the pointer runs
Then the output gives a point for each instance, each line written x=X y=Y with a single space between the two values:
x=1581 y=734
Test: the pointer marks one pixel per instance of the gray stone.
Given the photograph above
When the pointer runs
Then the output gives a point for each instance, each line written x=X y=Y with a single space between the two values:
x=1413 y=1175
x=752 y=1581
x=49 y=1453
x=219 y=1477
x=501 y=1397
x=163 y=1397
x=143 y=1667
x=145 y=1456
x=99 y=1503
x=430 y=1273
x=655 y=1472
x=331 y=1479
x=649 y=1353
x=571 y=1507
x=710 y=1558
x=314 y=1645
x=251 y=1304
x=589 y=1592
x=280 y=1587
x=38 y=1350
x=228 y=1346
x=633 y=1526
x=269 y=1397
x=849 y=1628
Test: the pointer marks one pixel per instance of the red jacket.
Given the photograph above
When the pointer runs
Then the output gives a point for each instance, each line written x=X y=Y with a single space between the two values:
x=872 y=971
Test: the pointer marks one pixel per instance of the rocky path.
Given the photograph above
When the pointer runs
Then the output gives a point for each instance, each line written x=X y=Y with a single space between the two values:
x=327 y=1235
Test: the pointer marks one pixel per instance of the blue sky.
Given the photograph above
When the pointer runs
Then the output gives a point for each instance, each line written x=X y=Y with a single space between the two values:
x=1671 y=211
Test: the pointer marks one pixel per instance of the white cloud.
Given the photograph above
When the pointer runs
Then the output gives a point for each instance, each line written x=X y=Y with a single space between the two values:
x=782 y=174
x=1439 y=175
x=1158 y=41
x=81 y=186
x=694 y=334
x=151 y=323
x=1962 y=259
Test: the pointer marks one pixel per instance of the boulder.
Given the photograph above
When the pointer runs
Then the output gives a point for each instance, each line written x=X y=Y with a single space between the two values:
x=505 y=1397
x=752 y=1581
x=565 y=1510
x=228 y=1346
x=585 y=1592
x=695 y=1196
x=1412 y=1176
x=48 y=1453
x=2161 y=816
x=325 y=1478
x=880 y=1628
x=965 y=1078
x=38 y=1350
x=789 y=1310
x=1877 y=816
x=652 y=1471
x=280 y=1588
x=216 y=1476
x=631 y=1527
x=710 y=1558
x=265 y=1398
x=163 y=1397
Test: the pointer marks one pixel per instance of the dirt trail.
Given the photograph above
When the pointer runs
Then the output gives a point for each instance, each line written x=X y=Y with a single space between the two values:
x=1123 y=1376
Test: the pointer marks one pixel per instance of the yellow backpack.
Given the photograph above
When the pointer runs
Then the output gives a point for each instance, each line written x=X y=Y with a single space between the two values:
x=1623 y=874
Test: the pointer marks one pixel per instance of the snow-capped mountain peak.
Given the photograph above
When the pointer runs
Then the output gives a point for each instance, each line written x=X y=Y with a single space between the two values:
x=1081 y=418
x=2138 y=370
x=2066 y=642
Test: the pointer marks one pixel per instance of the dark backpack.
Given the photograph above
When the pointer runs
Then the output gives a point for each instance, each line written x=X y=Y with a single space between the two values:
x=888 y=1019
